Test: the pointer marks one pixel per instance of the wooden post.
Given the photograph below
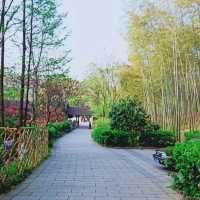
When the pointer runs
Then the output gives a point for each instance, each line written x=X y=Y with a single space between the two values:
x=90 y=125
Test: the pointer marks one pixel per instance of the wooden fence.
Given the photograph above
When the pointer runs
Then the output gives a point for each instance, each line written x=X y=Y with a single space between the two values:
x=21 y=150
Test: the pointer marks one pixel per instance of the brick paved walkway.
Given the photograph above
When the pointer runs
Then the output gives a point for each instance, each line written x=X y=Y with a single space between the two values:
x=82 y=170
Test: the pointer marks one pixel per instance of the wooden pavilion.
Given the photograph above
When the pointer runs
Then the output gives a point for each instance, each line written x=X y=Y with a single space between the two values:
x=78 y=112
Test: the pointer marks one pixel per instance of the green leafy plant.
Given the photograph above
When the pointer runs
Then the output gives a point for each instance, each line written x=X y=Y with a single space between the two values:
x=115 y=138
x=170 y=162
x=67 y=126
x=157 y=138
x=168 y=150
x=128 y=115
x=57 y=129
x=187 y=158
x=192 y=135
x=52 y=132
x=102 y=122
x=13 y=176
x=12 y=169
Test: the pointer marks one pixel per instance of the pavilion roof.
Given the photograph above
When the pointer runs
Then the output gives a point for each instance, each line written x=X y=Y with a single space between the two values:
x=81 y=111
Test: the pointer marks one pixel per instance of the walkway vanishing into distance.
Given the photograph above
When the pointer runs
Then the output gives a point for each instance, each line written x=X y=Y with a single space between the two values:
x=79 y=169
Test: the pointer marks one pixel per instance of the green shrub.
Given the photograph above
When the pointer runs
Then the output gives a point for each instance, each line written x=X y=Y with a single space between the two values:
x=170 y=163
x=99 y=133
x=128 y=115
x=115 y=138
x=102 y=123
x=157 y=138
x=192 y=135
x=168 y=150
x=67 y=126
x=53 y=132
x=187 y=179
x=58 y=126
x=57 y=129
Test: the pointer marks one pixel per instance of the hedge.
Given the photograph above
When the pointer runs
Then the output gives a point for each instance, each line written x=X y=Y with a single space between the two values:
x=184 y=159
x=114 y=138
x=58 y=129
x=158 y=138
x=107 y=136
x=170 y=162
x=187 y=178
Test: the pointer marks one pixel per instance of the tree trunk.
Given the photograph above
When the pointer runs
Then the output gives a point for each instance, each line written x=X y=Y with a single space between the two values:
x=2 y=27
x=35 y=104
x=23 y=66
x=29 y=62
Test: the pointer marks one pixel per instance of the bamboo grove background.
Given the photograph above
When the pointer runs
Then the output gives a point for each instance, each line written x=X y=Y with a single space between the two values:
x=166 y=41
x=164 y=65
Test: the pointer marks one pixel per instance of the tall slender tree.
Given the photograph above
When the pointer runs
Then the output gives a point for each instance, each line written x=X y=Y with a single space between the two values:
x=23 y=65
x=2 y=30
x=29 y=59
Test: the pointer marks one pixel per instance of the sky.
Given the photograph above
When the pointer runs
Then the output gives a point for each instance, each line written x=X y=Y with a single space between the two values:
x=98 y=33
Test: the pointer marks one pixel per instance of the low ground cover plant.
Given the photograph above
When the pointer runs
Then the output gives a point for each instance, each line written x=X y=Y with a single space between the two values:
x=192 y=135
